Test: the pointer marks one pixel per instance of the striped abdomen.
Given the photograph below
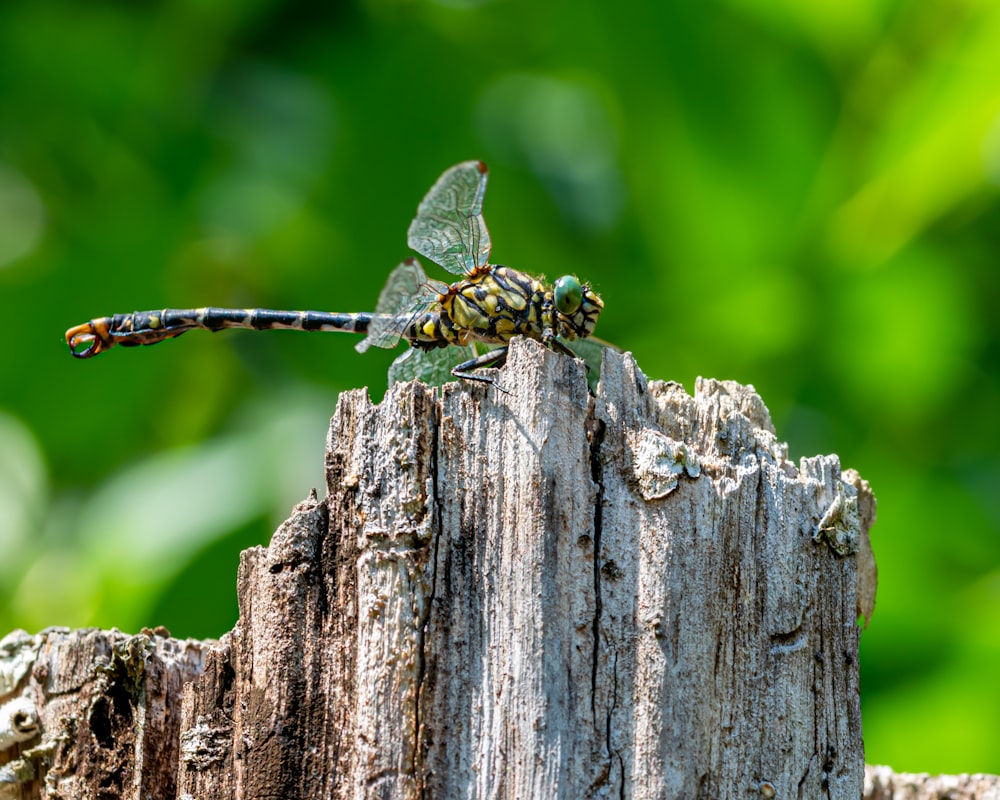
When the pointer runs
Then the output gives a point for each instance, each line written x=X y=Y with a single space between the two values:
x=150 y=327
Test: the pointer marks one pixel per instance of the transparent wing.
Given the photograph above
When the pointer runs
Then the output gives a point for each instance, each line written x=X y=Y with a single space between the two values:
x=407 y=293
x=449 y=227
x=591 y=351
x=433 y=367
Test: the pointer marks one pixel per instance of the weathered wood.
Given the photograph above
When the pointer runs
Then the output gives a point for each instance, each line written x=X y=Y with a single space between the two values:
x=532 y=594
x=540 y=594
x=881 y=783
x=92 y=714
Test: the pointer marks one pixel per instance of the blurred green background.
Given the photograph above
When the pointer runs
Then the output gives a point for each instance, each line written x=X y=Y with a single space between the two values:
x=801 y=196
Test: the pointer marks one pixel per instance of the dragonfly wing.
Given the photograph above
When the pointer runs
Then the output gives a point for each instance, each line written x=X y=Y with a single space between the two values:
x=591 y=352
x=449 y=227
x=406 y=293
x=433 y=367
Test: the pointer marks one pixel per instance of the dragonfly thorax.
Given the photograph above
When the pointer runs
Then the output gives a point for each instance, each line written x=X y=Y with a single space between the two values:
x=499 y=303
x=495 y=305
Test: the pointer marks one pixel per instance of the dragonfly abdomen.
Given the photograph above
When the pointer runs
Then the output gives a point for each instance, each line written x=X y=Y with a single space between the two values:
x=260 y=319
x=150 y=327
x=431 y=330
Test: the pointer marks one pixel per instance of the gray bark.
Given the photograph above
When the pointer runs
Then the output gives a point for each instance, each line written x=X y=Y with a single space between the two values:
x=881 y=783
x=92 y=714
x=540 y=594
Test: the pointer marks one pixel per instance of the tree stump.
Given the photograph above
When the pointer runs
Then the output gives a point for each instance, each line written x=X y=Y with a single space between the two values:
x=528 y=593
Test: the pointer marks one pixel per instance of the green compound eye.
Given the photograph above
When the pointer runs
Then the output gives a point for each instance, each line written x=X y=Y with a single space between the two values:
x=569 y=294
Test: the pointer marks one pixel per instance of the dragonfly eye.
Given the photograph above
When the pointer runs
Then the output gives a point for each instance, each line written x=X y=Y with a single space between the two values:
x=568 y=294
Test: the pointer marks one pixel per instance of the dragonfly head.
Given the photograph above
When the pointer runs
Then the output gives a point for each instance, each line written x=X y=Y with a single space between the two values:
x=577 y=304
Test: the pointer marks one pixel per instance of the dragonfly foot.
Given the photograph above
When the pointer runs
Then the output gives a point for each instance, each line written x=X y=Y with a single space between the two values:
x=474 y=376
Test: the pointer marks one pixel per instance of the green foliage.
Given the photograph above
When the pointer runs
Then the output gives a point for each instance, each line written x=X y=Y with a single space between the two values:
x=799 y=196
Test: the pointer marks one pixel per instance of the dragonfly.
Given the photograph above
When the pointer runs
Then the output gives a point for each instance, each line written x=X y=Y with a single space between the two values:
x=489 y=306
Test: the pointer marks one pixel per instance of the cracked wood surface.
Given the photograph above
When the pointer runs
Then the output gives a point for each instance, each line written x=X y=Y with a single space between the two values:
x=540 y=594
x=97 y=712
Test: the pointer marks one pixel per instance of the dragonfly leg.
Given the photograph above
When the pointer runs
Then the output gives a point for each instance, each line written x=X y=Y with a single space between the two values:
x=492 y=358
x=557 y=346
